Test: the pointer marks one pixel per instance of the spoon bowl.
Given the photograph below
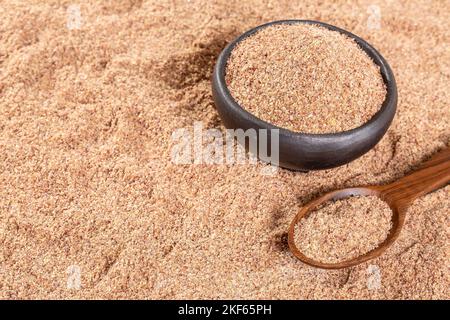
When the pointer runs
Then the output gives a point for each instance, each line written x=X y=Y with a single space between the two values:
x=397 y=219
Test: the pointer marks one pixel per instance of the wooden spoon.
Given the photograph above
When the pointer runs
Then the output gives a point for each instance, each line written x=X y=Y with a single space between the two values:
x=430 y=176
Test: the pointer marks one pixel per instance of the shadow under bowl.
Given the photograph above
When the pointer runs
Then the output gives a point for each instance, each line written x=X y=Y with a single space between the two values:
x=305 y=151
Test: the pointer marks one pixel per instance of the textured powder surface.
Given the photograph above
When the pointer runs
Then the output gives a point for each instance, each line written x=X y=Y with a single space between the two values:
x=305 y=78
x=88 y=190
x=344 y=229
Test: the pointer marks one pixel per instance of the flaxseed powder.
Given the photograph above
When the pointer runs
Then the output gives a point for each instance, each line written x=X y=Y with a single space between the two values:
x=86 y=178
x=344 y=229
x=305 y=78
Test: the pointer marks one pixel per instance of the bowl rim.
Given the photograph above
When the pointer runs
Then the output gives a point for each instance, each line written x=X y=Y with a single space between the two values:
x=389 y=103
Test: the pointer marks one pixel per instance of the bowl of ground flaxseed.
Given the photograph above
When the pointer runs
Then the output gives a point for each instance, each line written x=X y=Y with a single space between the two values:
x=325 y=94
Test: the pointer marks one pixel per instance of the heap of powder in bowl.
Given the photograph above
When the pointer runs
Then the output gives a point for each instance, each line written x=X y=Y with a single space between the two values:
x=305 y=78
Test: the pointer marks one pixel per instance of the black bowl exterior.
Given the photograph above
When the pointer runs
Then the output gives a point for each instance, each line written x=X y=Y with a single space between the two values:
x=303 y=151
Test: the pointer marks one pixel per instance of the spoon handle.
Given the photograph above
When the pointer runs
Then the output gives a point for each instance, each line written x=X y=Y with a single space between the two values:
x=430 y=176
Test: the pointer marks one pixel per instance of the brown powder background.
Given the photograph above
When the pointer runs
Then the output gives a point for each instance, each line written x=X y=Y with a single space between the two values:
x=305 y=78
x=86 y=179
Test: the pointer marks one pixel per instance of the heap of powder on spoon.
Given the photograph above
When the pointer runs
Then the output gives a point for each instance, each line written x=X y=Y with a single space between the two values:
x=344 y=229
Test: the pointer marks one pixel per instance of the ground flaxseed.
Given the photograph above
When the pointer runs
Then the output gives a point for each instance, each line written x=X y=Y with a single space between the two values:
x=344 y=229
x=87 y=184
x=305 y=78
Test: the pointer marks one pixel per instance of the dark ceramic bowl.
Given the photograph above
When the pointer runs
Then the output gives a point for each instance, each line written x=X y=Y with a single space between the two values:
x=304 y=151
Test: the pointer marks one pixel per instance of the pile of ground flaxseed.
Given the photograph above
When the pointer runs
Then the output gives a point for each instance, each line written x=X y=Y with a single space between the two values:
x=88 y=190
x=305 y=78
x=344 y=229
